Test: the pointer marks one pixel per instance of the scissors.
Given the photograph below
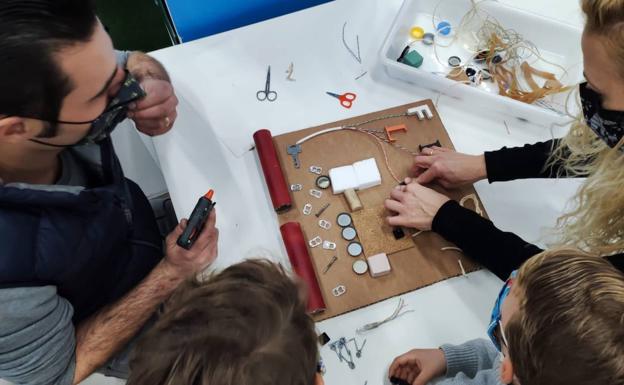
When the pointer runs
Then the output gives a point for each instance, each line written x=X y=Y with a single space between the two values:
x=346 y=100
x=267 y=94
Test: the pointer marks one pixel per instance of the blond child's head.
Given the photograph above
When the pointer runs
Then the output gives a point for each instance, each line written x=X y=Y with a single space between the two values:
x=563 y=322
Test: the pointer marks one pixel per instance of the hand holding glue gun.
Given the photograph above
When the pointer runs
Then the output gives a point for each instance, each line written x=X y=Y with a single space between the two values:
x=192 y=246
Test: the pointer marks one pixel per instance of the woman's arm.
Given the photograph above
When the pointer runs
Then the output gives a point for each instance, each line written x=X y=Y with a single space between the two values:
x=499 y=251
x=452 y=169
x=528 y=161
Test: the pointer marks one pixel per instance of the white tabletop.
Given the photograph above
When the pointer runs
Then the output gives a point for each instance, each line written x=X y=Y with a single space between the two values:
x=217 y=79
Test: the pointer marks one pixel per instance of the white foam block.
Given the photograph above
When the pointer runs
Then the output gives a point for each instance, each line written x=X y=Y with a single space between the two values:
x=343 y=178
x=367 y=173
x=421 y=112
x=379 y=265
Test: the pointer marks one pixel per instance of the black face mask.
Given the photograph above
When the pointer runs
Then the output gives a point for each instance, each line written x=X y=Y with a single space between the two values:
x=115 y=113
x=607 y=124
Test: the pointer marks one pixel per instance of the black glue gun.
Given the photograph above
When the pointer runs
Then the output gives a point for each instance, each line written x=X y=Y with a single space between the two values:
x=196 y=222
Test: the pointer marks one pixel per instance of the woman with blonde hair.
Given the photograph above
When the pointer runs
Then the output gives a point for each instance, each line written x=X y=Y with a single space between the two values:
x=594 y=148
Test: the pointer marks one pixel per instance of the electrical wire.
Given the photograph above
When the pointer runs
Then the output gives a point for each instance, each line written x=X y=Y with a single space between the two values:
x=482 y=29
x=374 y=133
x=357 y=57
x=396 y=314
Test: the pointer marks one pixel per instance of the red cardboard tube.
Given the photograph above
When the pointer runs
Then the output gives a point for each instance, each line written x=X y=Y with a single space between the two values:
x=302 y=264
x=273 y=175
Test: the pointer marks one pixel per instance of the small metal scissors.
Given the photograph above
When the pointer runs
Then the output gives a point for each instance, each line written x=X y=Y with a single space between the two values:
x=267 y=94
x=346 y=100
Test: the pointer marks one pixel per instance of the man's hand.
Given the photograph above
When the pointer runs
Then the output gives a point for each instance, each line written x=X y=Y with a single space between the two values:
x=418 y=366
x=156 y=113
x=186 y=263
x=449 y=168
x=415 y=205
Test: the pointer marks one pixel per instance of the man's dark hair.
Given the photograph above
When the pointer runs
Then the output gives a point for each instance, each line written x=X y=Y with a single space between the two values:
x=31 y=32
x=245 y=326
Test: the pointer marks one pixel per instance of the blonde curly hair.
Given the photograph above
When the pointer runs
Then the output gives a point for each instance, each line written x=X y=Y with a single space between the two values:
x=597 y=222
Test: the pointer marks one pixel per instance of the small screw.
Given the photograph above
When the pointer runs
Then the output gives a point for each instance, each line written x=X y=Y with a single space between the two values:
x=322 y=210
x=330 y=264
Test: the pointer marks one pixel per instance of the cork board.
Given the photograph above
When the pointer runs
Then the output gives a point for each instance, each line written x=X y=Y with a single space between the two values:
x=416 y=262
x=375 y=234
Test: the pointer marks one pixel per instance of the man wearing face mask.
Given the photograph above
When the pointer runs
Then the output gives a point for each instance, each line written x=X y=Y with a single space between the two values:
x=593 y=149
x=82 y=263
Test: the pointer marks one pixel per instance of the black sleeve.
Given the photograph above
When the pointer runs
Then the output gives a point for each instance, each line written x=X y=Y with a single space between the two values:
x=500 y=252
x=524 y=162
x=617 y=260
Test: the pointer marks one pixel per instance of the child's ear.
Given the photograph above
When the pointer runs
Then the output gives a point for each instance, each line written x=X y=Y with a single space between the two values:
x=319 y=379
x=506 y=371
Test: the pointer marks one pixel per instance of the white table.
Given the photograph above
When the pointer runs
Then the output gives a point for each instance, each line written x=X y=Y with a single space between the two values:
x=217 y=79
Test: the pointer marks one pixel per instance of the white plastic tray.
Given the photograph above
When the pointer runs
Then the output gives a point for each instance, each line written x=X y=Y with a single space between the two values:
x=557 y=42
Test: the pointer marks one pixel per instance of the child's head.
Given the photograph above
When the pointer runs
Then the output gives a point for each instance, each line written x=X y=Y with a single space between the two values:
x=247 y=325
x=563 y=322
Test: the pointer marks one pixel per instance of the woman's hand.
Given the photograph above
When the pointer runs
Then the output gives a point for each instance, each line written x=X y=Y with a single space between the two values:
x=418 y=366
x=449 y=168
x=415 y=205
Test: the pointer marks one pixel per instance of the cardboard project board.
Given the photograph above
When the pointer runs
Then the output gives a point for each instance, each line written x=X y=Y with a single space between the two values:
x=412 y=267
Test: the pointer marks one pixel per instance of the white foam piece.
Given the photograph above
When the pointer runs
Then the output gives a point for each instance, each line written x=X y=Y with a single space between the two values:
x=421 y=112
x=367 y=173
x=343 y=178
x=427 y=111
x=416 y=111
x=379 y=265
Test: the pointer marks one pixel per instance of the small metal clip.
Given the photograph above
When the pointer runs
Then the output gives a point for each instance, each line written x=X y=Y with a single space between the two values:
x=327 y=245
x=334 y=347
x=316 y=193
x=307 y=209
x=316 y=241
x=358 y=349
x=339 y=290
x=323 y=224
x=342 y=343
x=296 y=187
x=316 y=170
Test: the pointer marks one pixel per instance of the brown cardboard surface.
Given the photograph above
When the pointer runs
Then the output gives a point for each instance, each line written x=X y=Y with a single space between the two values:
x=376 y=234
x=412 y=267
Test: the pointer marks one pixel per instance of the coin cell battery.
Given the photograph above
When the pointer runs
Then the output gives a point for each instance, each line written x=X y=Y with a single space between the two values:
x=323 y=182
x=354 y=249
x=454 y=61
x=344 y=220
x=360 y=267
x=349 y=233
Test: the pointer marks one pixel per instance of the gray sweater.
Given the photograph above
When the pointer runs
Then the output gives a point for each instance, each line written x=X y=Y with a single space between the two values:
x=472 y=363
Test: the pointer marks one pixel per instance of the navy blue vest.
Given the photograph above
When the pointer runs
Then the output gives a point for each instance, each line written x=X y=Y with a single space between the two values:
x=93 y=244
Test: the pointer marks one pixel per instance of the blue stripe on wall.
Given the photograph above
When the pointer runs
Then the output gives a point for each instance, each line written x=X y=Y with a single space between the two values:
x=194 y=19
